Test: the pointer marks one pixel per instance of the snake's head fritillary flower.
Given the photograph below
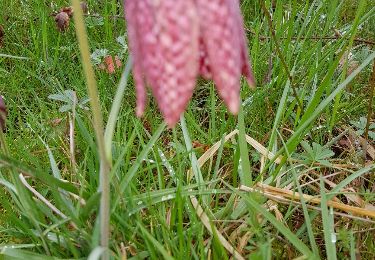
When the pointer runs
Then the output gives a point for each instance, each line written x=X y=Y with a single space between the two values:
x=174 y=41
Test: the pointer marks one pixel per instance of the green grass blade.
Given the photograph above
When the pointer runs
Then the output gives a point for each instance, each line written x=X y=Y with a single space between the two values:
x=350 y=178
x=156 y=243
x=245 y=172
x=292 y=238
x=193 y=158
x=23 y=254
x=328 y=228
x=41 y=176
x=112 y=119
x=124 y=184
x=301 y=129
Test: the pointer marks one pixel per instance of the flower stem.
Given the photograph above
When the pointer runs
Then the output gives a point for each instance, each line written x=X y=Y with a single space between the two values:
x=98 y=127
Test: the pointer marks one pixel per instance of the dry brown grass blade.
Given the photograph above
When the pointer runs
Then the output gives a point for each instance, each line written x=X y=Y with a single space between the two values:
x=352 y=196
x=212 y=151
x=41 y=197
x=201 y=161
x=211 y=228
x=261 y=149
x=278 y=192
x=243 y=241
x=273 y=193
x=369 y=148
x=286 y=201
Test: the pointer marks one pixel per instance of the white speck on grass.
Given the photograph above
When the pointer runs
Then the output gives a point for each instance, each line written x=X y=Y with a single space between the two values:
x=333 y=237
x=167 y=197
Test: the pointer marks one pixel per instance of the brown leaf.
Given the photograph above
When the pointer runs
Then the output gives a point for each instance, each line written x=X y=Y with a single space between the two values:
x=84 y=7
x=109 y=65
x=132 y=250
x=3 y=114
x=108 y=60
x=68 y=10
x=55 y=122
x=353 y=65
x=345 y=143
x=118 y=62
x=101 y=66
x=62 y=21
x=198 y=145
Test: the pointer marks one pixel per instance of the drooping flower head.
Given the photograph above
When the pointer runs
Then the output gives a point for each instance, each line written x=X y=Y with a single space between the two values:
x=174 y=41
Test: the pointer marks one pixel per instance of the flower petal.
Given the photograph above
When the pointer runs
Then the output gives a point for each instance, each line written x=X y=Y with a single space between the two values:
x=219 y=24
x=132 y=11
x=245 y=61
x=179 y=55
x=204 y=63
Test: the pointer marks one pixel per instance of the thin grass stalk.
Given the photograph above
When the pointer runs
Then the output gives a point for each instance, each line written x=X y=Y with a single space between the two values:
x=98 y=127
x=71 y=135
x=3 y=144
x=113 y=115
x=40 y=197
x=124 y=184
x=306 y=215
x=301 y=129
x=280 y=54
x=193 y=158
x=245 y=172
x=353 y=33
x=328 y=228
x=370 y=108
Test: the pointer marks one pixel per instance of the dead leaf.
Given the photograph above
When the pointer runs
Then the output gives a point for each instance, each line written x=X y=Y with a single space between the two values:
x=2 y=34
x=3 y=114
x=55 y=122
x=337 y=33
x=243 y=242
x=348 y=58
x=132 y=250
x=118 y=62
x=101 y=66
x=109 y=65
x=62 y=21
x=84 y=7
x=198 y=145
x=62 y=17
x=68 y=10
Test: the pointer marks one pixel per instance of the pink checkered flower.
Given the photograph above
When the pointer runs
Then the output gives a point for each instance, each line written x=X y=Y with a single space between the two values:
x=174 y=41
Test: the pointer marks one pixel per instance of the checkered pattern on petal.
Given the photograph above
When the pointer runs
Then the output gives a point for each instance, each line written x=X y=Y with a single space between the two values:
x=178 y=44
x=245 y=61
x=223 y=42
x=204 y=62
x=131 y=10
x=172 y=41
